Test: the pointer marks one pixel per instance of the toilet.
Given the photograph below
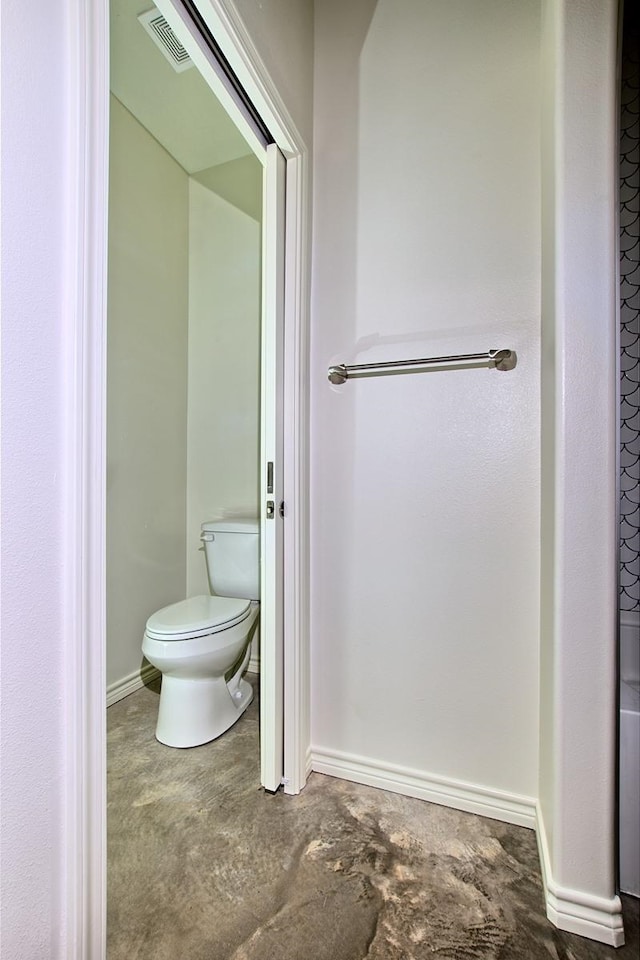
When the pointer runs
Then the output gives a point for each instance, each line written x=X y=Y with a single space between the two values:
x=202 y=645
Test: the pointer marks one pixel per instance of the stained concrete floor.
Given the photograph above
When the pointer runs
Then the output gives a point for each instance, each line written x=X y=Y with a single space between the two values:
x=204 y=865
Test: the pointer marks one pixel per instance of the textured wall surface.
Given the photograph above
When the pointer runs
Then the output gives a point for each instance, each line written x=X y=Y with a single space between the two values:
x=282 y=31
x=425 y=523
x=223 y=420
x=146 y=386
x=36 y=345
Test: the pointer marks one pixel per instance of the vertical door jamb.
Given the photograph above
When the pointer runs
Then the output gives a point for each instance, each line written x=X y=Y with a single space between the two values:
x=271 y=483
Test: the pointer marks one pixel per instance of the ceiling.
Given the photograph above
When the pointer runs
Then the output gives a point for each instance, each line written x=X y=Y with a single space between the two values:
x=179 y=109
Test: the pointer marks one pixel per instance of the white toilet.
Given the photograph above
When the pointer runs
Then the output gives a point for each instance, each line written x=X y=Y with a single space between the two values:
x=202 y=645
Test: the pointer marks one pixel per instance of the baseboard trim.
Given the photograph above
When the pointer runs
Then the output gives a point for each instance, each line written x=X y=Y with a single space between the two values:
x=254 y=657
x=597 y=918
x=120 y=689
x=469 y=797
x=254 y=664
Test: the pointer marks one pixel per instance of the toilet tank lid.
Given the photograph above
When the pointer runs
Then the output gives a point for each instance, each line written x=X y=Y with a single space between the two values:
x=231 y=526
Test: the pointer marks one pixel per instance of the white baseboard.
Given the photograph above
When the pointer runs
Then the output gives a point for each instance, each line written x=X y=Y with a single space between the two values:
x=470 y=797
x=572 y=910
x=120 y=689
x=254 y=659
x=254 y=664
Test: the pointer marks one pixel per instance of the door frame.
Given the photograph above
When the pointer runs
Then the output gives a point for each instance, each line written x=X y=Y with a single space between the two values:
x=84 y=483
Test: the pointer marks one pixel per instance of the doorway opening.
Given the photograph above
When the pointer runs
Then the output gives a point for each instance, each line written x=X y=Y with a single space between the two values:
x=86 y=424
x=195 y=406
x=185 y=371
x=183 y=331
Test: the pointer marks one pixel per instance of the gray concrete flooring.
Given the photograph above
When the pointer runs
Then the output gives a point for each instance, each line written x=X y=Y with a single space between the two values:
x=204 y=865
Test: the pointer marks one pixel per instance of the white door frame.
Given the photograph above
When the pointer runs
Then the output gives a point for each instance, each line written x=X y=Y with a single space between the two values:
x=85 y=454
x=271 y=475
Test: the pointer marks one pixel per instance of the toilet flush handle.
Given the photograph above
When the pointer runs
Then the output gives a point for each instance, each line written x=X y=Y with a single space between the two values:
x=207 y=536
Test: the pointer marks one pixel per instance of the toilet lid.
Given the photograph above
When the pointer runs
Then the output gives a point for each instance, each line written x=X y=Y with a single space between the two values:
x=197 y=616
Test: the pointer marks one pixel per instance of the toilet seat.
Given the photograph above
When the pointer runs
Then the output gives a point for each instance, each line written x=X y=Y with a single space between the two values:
x=197 y=617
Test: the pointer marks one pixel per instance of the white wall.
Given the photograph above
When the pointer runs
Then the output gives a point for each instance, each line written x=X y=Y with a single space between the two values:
x=282 y=32
x=224 y=369
x=239 y=182
x=548 y=379
x=36 y=344
x=579 y=412
x=146 y=388
x=425 y=488
x=183 y=377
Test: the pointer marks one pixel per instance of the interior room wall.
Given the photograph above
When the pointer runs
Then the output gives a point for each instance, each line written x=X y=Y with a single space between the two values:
x=548 y=378
x=238 y=181
x=37 y=346
x=425 y=500
x=282 y=32
x=146 y=388
x=579 y=411
x=224 y=364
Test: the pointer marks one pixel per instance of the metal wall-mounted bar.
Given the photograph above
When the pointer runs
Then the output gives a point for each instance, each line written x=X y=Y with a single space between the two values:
x=500 y=359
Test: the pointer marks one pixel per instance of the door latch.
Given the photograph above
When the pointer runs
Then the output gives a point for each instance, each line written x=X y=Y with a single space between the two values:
x=271 y=509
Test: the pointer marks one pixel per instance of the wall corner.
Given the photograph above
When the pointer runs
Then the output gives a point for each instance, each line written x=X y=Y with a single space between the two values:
x=598 y=918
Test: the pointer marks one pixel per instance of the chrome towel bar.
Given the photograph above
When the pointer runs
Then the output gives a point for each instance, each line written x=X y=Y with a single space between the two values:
x=500 y=359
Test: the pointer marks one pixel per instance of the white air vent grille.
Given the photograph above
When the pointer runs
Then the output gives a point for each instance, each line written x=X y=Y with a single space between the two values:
x=164 y=38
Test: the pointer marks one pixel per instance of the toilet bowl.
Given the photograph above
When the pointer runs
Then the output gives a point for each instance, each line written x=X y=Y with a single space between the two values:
x=202 y=645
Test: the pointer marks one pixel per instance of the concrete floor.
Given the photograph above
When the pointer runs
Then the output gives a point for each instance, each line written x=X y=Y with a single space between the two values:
x=203 y=865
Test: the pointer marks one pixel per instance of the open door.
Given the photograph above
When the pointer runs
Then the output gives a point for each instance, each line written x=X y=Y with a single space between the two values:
x=271 y=486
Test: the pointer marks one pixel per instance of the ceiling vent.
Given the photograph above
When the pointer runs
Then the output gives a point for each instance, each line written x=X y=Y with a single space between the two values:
x=164 y=38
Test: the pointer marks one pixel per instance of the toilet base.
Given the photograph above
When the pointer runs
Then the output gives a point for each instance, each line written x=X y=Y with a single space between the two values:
x=195 y=711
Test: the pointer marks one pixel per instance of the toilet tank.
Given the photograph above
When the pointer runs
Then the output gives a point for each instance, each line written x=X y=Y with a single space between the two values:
x=232 y=551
